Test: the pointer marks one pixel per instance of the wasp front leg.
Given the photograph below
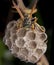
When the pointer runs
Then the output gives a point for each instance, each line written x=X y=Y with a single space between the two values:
x=33 y=22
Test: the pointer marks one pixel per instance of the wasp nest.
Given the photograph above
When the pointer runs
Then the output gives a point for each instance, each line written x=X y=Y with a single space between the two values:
x=26 y=44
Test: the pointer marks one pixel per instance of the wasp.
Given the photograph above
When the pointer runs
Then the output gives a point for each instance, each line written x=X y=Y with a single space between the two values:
x=27 y=20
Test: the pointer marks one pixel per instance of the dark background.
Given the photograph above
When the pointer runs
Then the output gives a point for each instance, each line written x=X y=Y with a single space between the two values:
x=45 y=9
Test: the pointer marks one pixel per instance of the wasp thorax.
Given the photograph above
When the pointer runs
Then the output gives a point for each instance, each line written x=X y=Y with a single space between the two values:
x=26 y=44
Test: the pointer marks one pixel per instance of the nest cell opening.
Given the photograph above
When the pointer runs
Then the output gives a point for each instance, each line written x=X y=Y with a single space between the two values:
x=31 y=35
x=20 y=42
x=39 y=51
x=21 y=32
x=43 y=36
x=32 y=44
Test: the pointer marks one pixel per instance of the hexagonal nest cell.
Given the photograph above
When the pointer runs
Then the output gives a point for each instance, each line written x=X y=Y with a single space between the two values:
x=32 y=44
x=20 y=42
x=43 y=36
x=21 y=32
x=31 y=35
x=32 y=59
